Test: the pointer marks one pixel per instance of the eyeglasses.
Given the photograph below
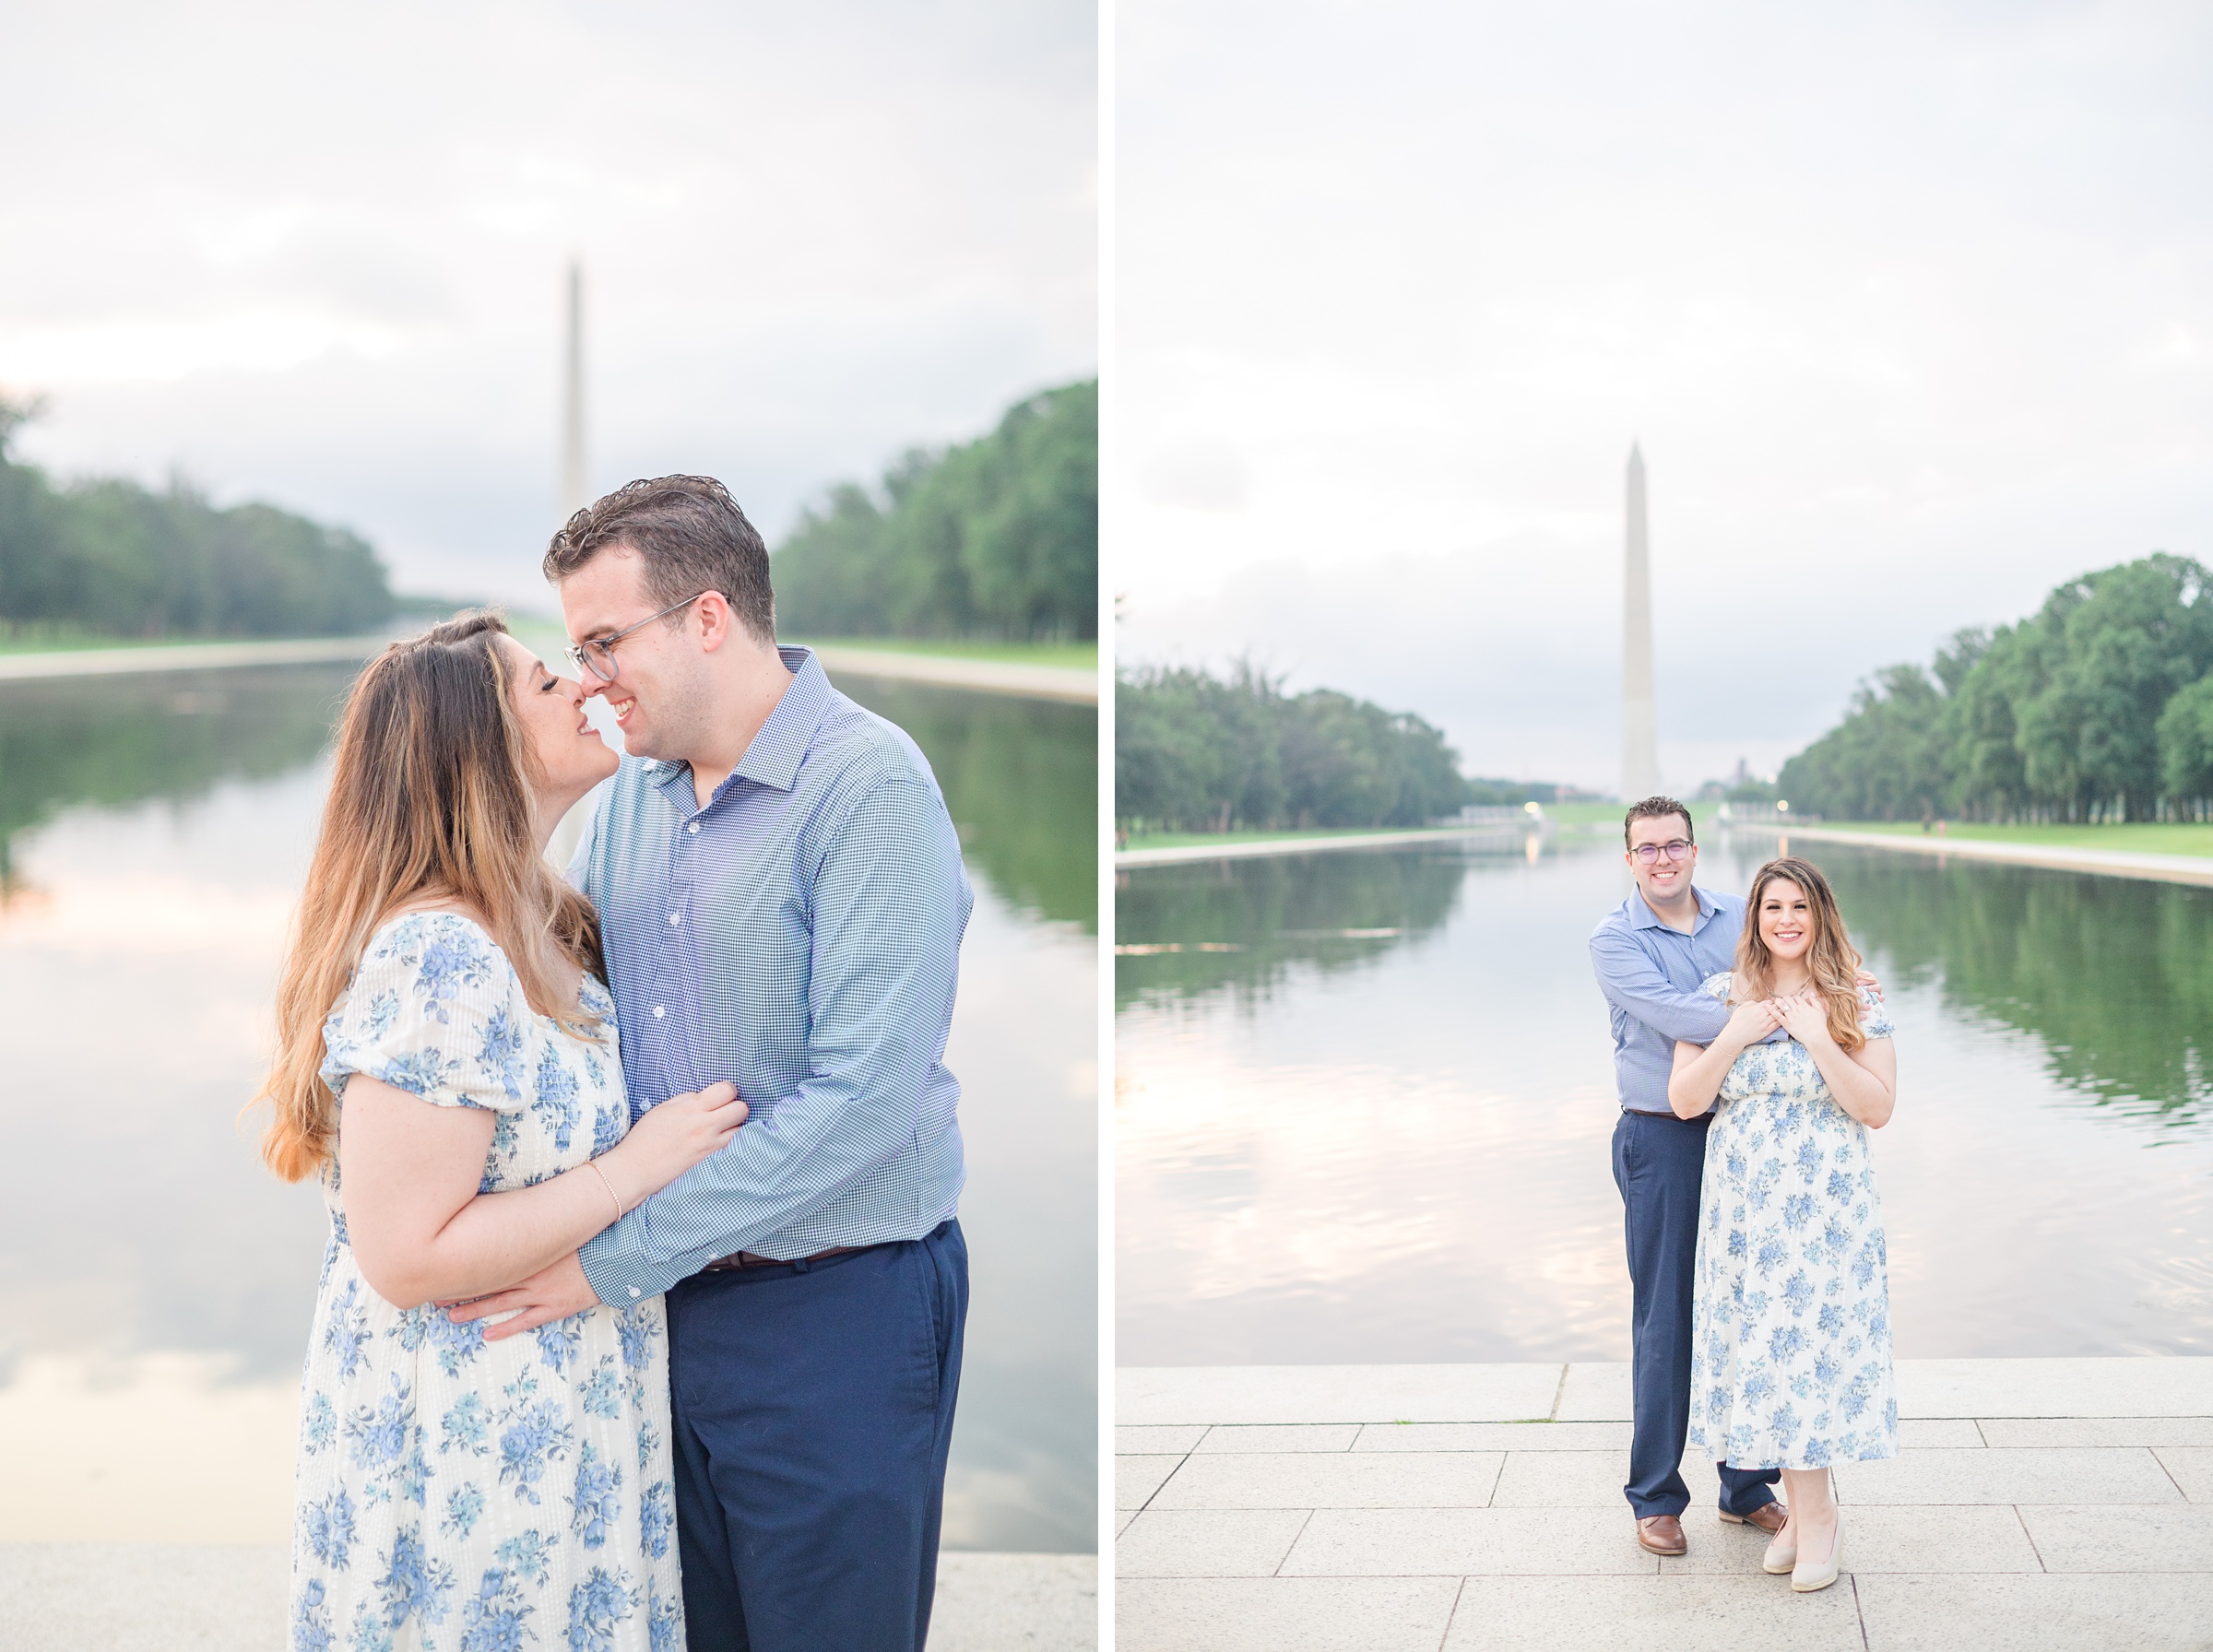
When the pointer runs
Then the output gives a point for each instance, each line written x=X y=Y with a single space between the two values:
x=1674 y=849
x=597 y=655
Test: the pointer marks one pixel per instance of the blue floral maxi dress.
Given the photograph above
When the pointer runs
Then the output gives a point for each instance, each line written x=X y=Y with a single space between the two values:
x=456 y=1495
x=1790 y=1314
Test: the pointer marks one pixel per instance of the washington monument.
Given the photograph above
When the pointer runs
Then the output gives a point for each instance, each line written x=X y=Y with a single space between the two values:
x=573 y=495
x=1639 y=724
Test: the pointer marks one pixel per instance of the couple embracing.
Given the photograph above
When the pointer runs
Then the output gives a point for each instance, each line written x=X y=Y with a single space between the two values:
x=1752 y=1056
x=639 y=1327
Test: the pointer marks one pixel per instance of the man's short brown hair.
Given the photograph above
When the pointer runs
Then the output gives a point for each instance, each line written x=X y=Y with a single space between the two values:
x=1657 y=807
x=692 y=538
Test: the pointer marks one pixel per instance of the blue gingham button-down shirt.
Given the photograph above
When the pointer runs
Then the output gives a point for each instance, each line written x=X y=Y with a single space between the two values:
x=1650 y=973
x=798 y=937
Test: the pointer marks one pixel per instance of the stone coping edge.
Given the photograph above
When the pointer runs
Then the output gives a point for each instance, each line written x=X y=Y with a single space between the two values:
x=2110 y=863
x=990 y=677
x=1597 y=1391
x=163 y=1597
x=184 y=656
x=1185 y=854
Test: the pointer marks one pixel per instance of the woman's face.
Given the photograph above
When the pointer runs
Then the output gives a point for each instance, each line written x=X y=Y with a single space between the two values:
x=1786 y=920
x=572 y=758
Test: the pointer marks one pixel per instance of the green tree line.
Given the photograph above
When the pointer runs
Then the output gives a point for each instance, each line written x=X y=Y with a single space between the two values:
x=111 y=557
x=1194 y=752
x=997 y=537
x=2097 y=707
x=2115 y=975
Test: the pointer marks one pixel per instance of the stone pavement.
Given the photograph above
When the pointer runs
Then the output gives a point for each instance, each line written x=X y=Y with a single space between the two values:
x=229 y=1598
x=2034 y=1503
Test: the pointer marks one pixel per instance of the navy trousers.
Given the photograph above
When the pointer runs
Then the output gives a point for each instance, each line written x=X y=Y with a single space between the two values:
x=812 y=1410
x=1658 y=1163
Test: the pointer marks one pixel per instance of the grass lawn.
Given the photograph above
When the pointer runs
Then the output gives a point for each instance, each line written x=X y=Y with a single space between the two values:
x=1071 y=656
x=2141 y=837
x=1606 y=814
x=1182 y=840
x=77 y=642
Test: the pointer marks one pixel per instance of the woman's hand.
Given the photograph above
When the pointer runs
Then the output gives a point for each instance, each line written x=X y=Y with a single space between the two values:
x=1805 y=1016
x=1862 y=1082
x=672 y=1138
x=1751 y=1021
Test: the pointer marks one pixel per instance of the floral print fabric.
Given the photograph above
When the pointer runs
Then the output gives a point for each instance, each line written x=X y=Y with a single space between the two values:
x=456 y=1495
x=1790 y=1316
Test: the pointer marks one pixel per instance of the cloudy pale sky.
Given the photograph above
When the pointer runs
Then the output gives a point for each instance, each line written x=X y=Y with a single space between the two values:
x=1909 y=306
x=314 y=255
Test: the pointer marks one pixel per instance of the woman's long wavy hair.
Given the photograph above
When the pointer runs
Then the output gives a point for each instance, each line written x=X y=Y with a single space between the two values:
x=1832 y=959
x=430 y=802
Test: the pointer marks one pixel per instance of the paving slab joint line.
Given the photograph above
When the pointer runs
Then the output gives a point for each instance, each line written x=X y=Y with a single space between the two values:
x=1458 y=1594
x=2170 y=1474
x=1559 y=1389
x=1859 y=1612
x=1294 y=1544
x=2023 y=1524
x=1171 y=1474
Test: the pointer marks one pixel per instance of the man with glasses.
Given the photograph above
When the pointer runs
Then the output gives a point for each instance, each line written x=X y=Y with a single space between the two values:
x=1653 y=953
x=781 y=902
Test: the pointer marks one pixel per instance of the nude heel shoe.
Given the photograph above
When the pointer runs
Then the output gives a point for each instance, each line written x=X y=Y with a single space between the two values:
x=1806 y=1576
x=1782 y=1551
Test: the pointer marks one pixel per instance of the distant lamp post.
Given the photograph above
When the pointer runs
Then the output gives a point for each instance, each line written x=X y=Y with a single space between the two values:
x=1782 y=805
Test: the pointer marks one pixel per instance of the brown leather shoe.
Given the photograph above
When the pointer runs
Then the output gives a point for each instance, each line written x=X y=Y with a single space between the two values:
x=1661 y=1534
x=1768 y=1516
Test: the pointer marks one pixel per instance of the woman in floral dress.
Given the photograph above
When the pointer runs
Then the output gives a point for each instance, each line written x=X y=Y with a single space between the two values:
x=1791 y=1314
x=448 y=1066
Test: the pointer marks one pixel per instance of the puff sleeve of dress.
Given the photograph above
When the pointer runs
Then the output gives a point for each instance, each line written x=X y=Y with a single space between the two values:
x=1874 y=1020
x=433 y=1009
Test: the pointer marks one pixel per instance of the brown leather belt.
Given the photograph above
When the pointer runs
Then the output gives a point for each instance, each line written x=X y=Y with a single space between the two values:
x=746 y=1258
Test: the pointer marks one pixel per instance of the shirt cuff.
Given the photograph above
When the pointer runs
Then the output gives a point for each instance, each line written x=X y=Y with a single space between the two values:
x=619 y=1276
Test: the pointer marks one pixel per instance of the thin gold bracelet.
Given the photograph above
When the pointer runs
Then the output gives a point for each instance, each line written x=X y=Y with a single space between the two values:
x=594 y=1164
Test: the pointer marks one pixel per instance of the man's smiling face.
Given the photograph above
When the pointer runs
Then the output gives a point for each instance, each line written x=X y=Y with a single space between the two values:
x=1665 y=881
x=656 y=688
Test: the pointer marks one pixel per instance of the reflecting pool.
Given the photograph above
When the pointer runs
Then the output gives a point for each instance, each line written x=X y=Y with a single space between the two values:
x=156 y=1284
x=1364 y=1100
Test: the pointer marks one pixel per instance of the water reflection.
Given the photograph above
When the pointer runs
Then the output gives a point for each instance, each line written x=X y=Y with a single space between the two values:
x=2115 y=975
x=1394 y=1148
x=155 y=1284
x=1021 y=779
x=1242 y=926
x=119 y=740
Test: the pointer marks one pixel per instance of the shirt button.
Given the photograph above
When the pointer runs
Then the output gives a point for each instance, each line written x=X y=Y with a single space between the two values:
x=676 y=917
x=693 y=829
x=633 y=1291
x=659 y=1012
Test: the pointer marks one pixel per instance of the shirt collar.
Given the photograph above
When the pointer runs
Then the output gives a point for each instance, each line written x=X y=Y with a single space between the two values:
x=776 y=752
x=1642 y=917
